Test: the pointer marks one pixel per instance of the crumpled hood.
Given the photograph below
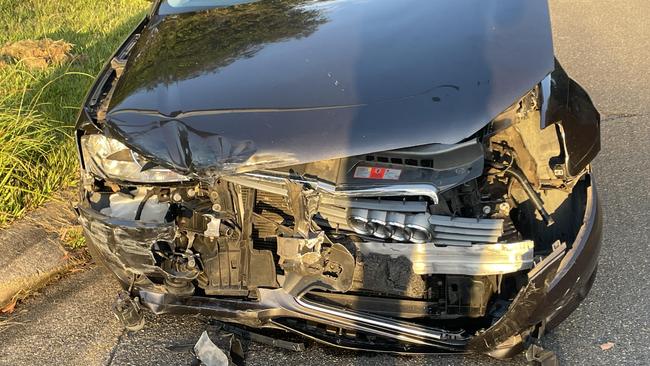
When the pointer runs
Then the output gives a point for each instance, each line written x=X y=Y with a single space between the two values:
x=274 y=83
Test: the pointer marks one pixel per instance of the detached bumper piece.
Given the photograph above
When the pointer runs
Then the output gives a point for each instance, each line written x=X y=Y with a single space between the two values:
x=277 y=309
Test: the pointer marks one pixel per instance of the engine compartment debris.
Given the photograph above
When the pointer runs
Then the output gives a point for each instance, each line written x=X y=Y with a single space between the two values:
x=127 y=310
x=208 y=353
x=226 y=344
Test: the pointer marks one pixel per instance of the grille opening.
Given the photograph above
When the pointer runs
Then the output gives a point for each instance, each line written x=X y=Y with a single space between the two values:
x=412 y=162
x=424 y=163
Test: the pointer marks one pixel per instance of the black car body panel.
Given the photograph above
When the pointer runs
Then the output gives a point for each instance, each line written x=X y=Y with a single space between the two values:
x=409 y=177
x=363 y=74
x=569 y=105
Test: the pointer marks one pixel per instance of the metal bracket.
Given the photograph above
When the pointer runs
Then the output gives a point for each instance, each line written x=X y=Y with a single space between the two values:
x=212 y=230
x=537 y=355
x=127 y=310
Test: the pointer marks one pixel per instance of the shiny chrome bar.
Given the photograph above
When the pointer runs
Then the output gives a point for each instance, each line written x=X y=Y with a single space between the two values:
x=364 y=322
x=376 y=204
x=376 y=321
x=418 y=226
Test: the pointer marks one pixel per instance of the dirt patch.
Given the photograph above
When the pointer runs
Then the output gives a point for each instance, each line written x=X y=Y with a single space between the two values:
x=36 y=54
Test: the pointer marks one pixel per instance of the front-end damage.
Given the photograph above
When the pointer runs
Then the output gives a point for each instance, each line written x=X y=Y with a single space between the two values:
x=370 y=296
x=478 y=265
x=477 y=245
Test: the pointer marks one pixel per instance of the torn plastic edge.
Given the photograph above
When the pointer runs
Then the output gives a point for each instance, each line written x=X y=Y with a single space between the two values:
x=258 y=338
x=522 y=310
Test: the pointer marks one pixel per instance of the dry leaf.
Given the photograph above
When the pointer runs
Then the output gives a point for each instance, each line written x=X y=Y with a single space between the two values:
x=607 y=346
x=9 y=308
x=63 y=233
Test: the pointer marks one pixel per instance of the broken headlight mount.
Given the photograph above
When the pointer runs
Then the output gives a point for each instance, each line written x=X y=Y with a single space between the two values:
x=108 y=158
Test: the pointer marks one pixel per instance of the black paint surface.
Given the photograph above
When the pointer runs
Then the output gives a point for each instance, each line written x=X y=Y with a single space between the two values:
x=275 y=83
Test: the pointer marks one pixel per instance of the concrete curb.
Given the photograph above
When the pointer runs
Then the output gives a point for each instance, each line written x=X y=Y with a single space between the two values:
x=31 y=250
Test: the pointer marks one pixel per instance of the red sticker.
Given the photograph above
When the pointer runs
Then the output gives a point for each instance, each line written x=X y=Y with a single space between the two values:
x=377 y=173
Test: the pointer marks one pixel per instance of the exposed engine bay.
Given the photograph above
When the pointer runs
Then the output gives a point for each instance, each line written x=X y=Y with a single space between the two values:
x=451 y=242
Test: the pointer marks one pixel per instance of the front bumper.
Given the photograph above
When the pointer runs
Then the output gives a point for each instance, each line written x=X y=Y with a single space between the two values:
x=555 y=288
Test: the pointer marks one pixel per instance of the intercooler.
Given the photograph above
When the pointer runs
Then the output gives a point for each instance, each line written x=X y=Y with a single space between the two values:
x=335 y=214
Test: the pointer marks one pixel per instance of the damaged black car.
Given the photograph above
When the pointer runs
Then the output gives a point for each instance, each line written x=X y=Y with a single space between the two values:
x=404 y=176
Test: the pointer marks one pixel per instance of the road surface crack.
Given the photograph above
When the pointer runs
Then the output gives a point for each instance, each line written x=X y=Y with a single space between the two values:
x=111 y=355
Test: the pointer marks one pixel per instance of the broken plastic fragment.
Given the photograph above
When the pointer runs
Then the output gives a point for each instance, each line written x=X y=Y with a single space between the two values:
x=209 y=353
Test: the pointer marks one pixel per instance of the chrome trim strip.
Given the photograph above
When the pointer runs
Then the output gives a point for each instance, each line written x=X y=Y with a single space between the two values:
x=357 y=317
x=250 y=180
x=545 y=91
x=376 y=204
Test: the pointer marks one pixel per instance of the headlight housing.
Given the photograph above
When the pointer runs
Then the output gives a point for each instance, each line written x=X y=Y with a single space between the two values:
x=108 y=158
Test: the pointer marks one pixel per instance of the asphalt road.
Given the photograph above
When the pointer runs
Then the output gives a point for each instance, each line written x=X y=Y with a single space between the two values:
x=604 y=45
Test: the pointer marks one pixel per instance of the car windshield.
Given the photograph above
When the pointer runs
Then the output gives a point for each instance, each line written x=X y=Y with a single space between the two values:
x=182 y=6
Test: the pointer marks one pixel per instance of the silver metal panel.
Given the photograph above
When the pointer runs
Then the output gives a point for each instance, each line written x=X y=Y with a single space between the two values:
x=487 y=224
x=463 y=231
x=463 y=237
x=475 y=260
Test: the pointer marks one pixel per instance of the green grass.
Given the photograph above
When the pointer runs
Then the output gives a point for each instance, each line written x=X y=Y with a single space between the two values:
x=74 y=238
x=38 y=108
